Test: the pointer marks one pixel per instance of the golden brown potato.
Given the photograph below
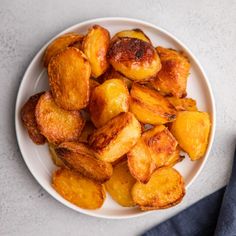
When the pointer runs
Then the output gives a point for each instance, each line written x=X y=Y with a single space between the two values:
x=183 y=104
x=120 y=184
x=95 y=46
x=112 y=74
x=29 y=120
x=80 y=158
x=88 y=129
x=92 y=85
x=134 y=33
x=191 y=129
x=164 y=189
x=59 y=44
x=136 y=59
x=149 y=106
x=69 y=73
x=172 y=78
x=174 y=158
x=56 y=124
x=116 y=137
x=108 y=100
x=77 y=189
x=56 y=160
x=152 y=151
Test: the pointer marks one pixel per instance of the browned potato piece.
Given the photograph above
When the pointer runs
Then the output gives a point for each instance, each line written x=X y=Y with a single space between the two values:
x=183 y=104
x=136 y=59
x=92 y=85
x=29 y=120
x=134 y=33
x=191 y=129
x=152 y=151
x=112 y=74
x=172 y=78
x=95 y=46
x=86 y=132
x=140 y=162
x=120 y=184
x=149 y=106
x=164 y=189
x=78 y=190
x=69 y=73
x=116 y=137
x=174 y=158
x=56 y=124
x=59 y=44
x=56 y=160
x=80 y=158
x=108 y=100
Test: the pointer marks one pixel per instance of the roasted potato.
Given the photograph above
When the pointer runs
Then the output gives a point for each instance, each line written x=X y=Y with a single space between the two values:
x=174 y=158
x=172 y=78
x=134 y=58
x=149 y=106
x=108 y=100
x=191 y=129
x=69 y=72
x=120 y=184
x=152 y=151
x=77 y=189
x=29 y=120
x=80 y=158
x=59 y=44
x=88 y=129
x=56 y=124
x=183 y=104
x=134 y=33
x=95 y=46
x=164 y=189
x=111 y=141
x=92 y=85
x=56 y=160
x=112 y=74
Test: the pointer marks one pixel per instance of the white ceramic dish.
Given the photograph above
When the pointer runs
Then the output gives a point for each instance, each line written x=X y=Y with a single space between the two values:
x=35 y=79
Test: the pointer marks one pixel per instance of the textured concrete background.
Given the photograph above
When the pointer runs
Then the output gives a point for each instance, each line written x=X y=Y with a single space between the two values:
x=208 y=28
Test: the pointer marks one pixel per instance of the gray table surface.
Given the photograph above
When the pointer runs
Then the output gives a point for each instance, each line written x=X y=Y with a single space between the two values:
x=208 y=28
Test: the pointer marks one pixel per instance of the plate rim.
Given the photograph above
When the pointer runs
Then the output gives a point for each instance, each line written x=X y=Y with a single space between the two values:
x=128 y=20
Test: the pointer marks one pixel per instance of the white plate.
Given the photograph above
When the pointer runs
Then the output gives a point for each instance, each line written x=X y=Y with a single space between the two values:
x=35 y=80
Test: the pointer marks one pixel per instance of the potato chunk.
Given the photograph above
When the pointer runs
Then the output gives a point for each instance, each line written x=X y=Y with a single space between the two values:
x=183 y=104
x=149 y=106
x=107 y=101
x=134 y=33
x=78 y=190
x=152 y=151
x=164 y=189
x=174 y=158
x=29 y=120
x=95 y=46
x=111 y=141
x=69 y=73
x=56 y=124
x=80 y=158
x=172 y=78
x=191 y=129
x=56 y=160
x=120 y=184
x=134 y=58
x=59 y=44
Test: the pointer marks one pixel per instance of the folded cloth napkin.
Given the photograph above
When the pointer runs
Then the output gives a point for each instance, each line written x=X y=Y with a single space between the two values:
x=213 y=215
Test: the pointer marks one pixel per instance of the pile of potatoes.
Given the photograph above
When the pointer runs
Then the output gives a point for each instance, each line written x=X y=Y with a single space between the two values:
x=116 y=118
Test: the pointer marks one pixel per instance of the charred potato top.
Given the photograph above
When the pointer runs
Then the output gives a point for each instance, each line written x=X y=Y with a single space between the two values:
x=136 y=59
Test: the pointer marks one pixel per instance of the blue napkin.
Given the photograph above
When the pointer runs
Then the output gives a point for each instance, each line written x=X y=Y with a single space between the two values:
x=213 y=215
